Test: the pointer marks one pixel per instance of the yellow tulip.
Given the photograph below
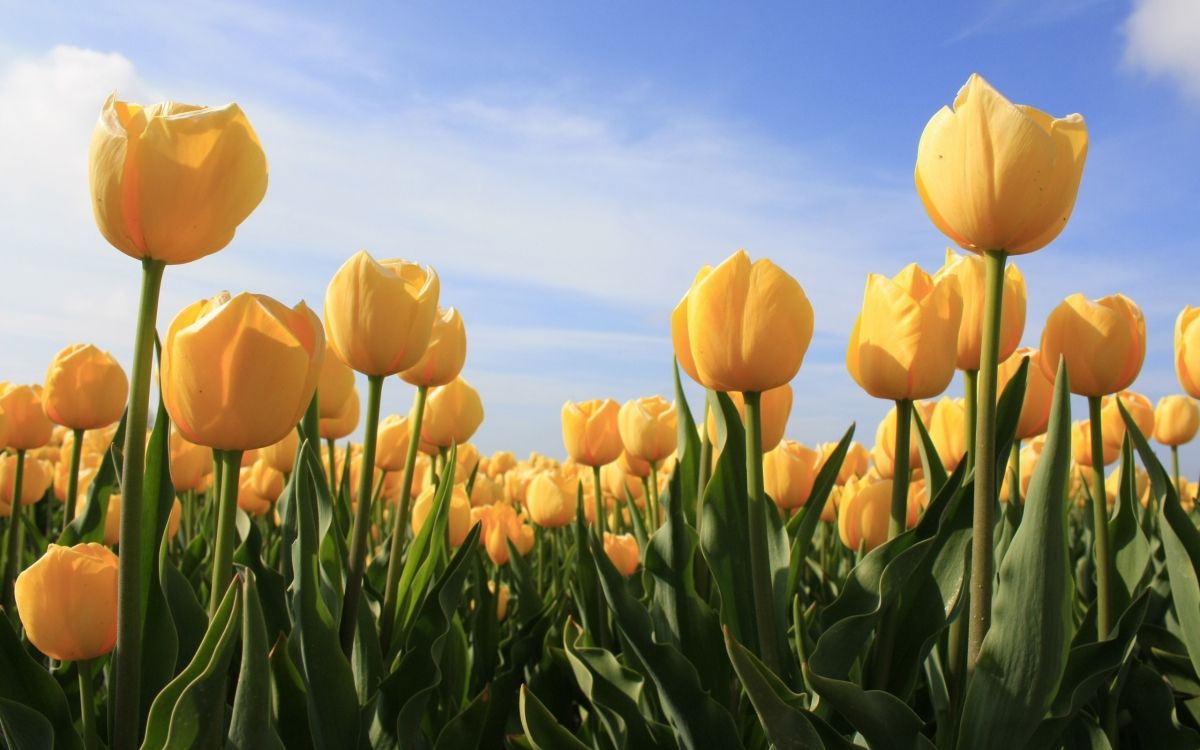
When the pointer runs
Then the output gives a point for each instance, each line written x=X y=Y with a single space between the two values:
x=281 y=456
x=971 y=272
x=1039 y=391
x=85 y=388
x=501 y=599
x=444 y=356
x=883 y=454
x=1187 y=350
x=343 y=422
x=335 y=386
x=500 y=462
x=391 y=445
x=112 y=518
x=615 y=481
x=459 y=521
x=1112 y=425
x=590 y=431
x=947 y=429
x=622 y=550
x=904 y=343
x=453 y=413
x=239 y=372
x=485 y=490
x=788 y=473
x=28 y=425
x=998 y=176
x=248 y=498
x=1081 y=446
x=633 y=465
x=1176 y=420
x=1103 y=342
x=173 y=181
x=189 y=462
x=863 y=515
x=67 y=601
x=551 y=505
x=648 y=428
x=776 y=407
x=37 y=478
x=266 y=480
x=379 y=314
x=748 y=326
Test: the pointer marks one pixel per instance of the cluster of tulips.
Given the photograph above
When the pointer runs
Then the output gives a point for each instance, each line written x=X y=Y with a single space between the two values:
x=240 y=570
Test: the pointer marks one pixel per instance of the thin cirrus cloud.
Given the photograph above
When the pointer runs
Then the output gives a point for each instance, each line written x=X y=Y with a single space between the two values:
x=1163 y=39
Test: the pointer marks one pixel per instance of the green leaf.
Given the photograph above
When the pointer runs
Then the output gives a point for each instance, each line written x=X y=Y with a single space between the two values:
x=1131 y=548
x=1008 y=414
x=24 y=728
x=931 y=463
x=804 y=524
x=525 y=582
x=779 y=709
x=291 y=699
x=542 y=729
x=23 y=680
x=250 y=726
x=189 y=617
x=688 y=451
x=1152 y=707
x=1017 y=676
x=88 y=526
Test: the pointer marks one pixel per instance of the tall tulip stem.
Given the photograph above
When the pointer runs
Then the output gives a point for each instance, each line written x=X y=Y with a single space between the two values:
x=899 y=514
x=222 y=570
x=73 y=477
x=971 y=405
x=1175 y=469
x=760 y=563
x=87 y=704
x=601 y=634
x=1104 y=613
x=653 y=496
x=12 y=564
x=127 y=663
x=982 y=561
x=362 y=515
x=400 y=521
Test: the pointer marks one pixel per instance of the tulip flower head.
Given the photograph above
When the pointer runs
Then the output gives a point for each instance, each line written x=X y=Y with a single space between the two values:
x=85 y=388
x=67 y=602
x=590 y=431
x=1039 y=391
x=453 y=412
x=648 y=428
x=444 y=356
x=28 y=425
x=1187 y=350
x=1103 y=342
x=971 y=274
x=1176 y=420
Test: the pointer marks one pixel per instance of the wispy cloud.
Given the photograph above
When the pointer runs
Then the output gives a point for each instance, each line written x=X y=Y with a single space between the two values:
x=1163 y=39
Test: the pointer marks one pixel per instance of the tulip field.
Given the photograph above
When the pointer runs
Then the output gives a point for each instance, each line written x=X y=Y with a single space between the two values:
x=222 y=543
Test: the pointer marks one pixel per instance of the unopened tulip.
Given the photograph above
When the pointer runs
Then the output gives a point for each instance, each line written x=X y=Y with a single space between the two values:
x=1103 y=342
x=1176 y=420
x=863 y=516
x=239 y=372
x=336 y=385
x=266 y=481
x=622 y=550
x=1113 y=424
x=1039 y=391
x=459 y=521
x=551 y=505
x=501 y=599
x=1081 y=446
x=904 y=343
x=85 y=388
x=379 y=314
x=189 y=462
x=444 y=356
x=485 y=490
x=501 y=525
x=35 y=481
x=173 y=181
x=452 y=414
x=775 y=406
x=746 y=326
x=648 y=428
x=248 y=498
x=67 y=602
x=1187 y=350
x=590 y=431
x=619 y=484
x=633 y=465
x=391 y=445
x=970 y=271
x=997 y=176
x=855 y=464
x=500 y=462
x=948 y=432
x=281 y=456
x=28 y=425
x=883 y=454
x=788 y=473
x=343 y=422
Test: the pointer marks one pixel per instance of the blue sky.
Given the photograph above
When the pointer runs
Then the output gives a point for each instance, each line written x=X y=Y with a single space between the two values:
x=566 y=167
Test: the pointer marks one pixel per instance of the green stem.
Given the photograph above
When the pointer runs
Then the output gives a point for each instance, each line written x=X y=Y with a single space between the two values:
x=222 y=570
x=705 y=465
x=13 y=565
x=982 y=561
x=760 y=565
x=127 y=662
x=899 y=516
x=601 y=510
x=601 y=608
x=1175 y=469
x=400 y=521
x=73 y=476
x=1104 y=614
x=971 y=402
x=334 y=485
x=1014 y=469
x=87 y=704
x=362 y=515
x=310 y=425
x=657 y=516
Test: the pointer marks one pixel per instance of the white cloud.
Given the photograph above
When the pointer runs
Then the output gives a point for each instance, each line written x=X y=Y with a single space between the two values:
x=1163 y=39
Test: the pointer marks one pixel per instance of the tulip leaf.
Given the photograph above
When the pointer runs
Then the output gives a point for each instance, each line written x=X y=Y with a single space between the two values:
x=268 y=584
x=188 y=616
x=803 y=525
x=1152 y=708
x=88 y=526
x=699 y=720
x=1131 y=548
x=332 y=705
x=530 y=600
x=1017 y=677
x=250 y=725
x=1008 y=415
x=290 y=698
x=779 y=709
x=688 y=452
x=932 y=467
x=24 y=728
x=541 y=728
x=190 y=710
x=586 y=592
x=24 y=680
x=485 y=639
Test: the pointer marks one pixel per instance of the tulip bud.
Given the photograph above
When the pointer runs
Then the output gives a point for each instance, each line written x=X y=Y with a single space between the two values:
x=788 y=473
x=647 y=427
x=864 y=514
x=248 y=498
x=619 y=485
x=85 y=388
x=1113 y=425
x=551 y=504
x=747 y=327
x=1187 y=350
x=379 y=314
x=501 y=599
x=391 y=445
x=1176 y=420
x=1103 y=342
x=998 y=176
x=266 y=481
x=947 y=430
x=452 y=414
x=622 y=550
x=38 y=475
x=281 y=456
x=776 y=407
x=189 y=462
x=173 y=181
x=971 y=272
x=1039 y=391
x=500 y=462
x=67 y=602
x=28 y=425
x=336 y=384
x=444 y=356
x=459 y=522
x=904 y=343
x=1081 y=446
x=485 y=491
x=590 y=431
x=239 y=372
x=884 y=451
x=342 y=423
x=855 y=464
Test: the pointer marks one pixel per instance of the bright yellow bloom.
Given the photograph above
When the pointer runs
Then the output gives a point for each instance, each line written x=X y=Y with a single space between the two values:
x=971 y=272
x=904 y=342
x=1039 y=391
x=788 y=473
x=590 y=431
x=884 y=452
x=1104 y=343
x=336 y=385
x=551 y=504
x=281 y=456
x=189 y=462
x=947 y=429
x=615 y=482
x=37 y=477
x=1081 y=445
x=1187 y=350
x=391 y=445
x=444 y=357
x=28 y=425
x=864 y=512
x=994 y=175
x=1113 y=425
x=747 y=327
x=85 y=388
x=648 y=428
x=379 y=314
x=1176 y=420
x=459 y=522
x=173 y=181
x=343 y=422
x=453 y=413
x=622 y=550
x=775 y=408
x=239 y=372
x=67 y=601
x=855 y=464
